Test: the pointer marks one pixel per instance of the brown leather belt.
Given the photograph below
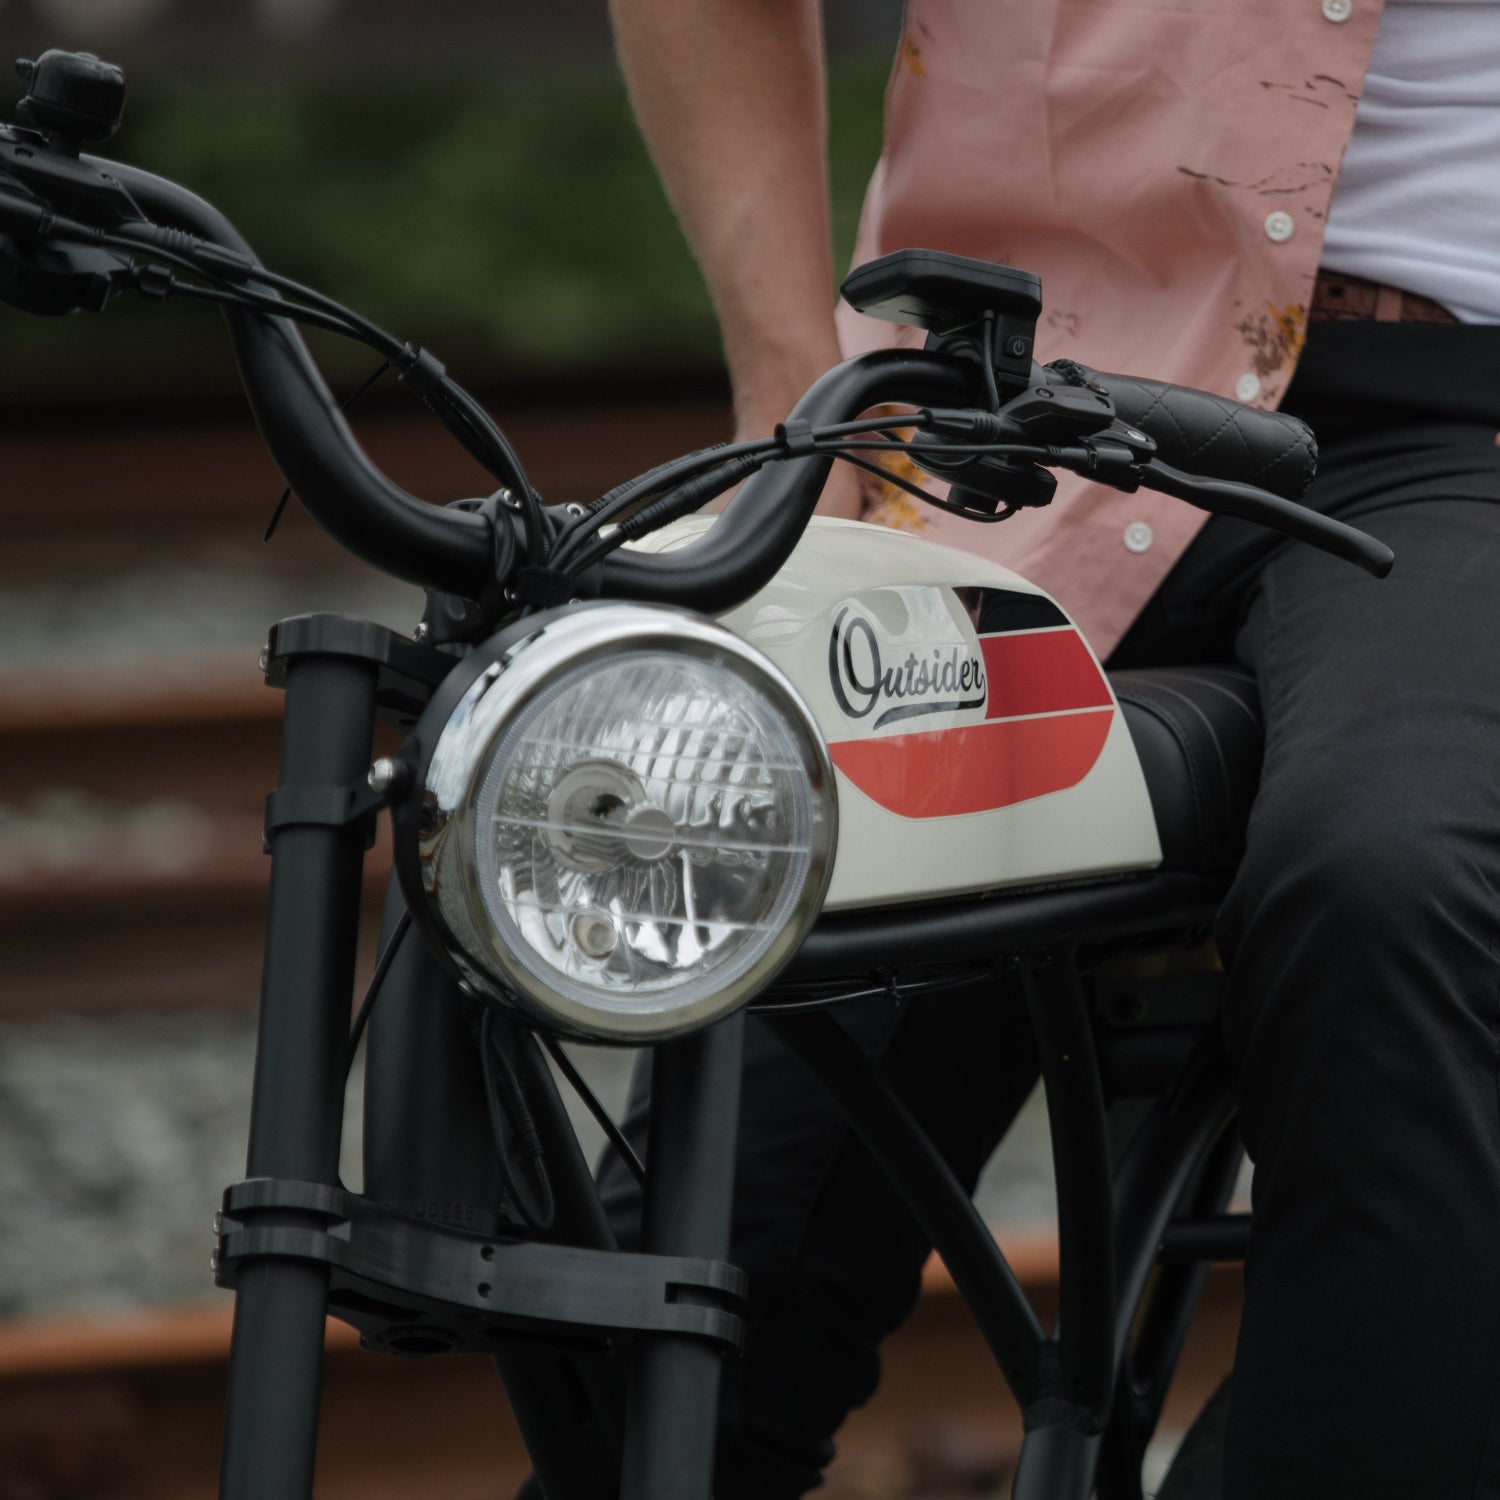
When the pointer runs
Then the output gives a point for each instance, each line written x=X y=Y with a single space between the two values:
x=1347 y=299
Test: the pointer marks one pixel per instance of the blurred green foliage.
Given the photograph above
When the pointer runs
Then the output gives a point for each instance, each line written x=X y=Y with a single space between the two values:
x=520 y=226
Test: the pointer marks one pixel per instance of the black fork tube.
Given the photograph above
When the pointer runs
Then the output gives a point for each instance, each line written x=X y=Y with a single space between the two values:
x=276 y=1357
x=672 y=1409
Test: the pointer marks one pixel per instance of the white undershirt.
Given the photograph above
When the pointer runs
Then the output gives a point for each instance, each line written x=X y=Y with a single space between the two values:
x=1418 y=199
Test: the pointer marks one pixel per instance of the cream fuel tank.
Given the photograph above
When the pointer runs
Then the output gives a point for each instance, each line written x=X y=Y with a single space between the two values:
x=975 y=738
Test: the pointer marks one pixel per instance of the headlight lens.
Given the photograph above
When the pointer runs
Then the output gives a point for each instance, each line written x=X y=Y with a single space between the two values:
x=627 y=823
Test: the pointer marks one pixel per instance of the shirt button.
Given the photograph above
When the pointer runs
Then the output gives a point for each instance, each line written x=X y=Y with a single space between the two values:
x=1279 y=226
x=1138 y=537
x=1247 y=387
x=1337 y=10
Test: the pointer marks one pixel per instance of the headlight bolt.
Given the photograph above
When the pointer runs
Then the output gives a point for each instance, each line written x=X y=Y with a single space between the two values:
x=388 y=777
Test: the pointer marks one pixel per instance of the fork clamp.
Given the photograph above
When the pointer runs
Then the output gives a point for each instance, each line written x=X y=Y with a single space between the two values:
x=415 y=1287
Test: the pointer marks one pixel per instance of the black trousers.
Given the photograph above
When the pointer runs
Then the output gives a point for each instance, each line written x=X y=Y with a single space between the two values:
x=1363 y=1006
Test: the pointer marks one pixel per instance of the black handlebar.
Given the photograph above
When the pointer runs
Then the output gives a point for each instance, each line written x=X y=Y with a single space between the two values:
x=450 y=549
x=306 y=433
x=756 y=532
x=453 y=550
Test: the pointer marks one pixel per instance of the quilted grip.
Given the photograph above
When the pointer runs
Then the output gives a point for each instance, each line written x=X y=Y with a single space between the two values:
x=1215 y=437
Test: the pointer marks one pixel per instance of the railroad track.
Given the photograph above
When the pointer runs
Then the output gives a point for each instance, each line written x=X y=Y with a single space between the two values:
x=139 y=740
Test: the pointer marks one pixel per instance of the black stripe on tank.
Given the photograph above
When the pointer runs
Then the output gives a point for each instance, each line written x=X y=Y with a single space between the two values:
x=999 y=611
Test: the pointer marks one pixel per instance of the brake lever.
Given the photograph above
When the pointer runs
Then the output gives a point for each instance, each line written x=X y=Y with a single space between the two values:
x=1122 y=458
x=1223 y=497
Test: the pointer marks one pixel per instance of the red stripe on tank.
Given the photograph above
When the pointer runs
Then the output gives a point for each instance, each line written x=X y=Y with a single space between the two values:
x=1040 y=672
x=942 y=773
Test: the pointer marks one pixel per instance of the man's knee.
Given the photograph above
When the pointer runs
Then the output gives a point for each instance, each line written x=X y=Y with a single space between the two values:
x=1366 y=877
x=1361 y=953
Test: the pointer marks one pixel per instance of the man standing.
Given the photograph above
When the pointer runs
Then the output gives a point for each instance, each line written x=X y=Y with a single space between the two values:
x=1289 y=203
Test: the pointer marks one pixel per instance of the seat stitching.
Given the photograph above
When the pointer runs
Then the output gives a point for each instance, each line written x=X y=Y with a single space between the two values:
x=1175 y=727
x=1253 y=714
x=1207 y=805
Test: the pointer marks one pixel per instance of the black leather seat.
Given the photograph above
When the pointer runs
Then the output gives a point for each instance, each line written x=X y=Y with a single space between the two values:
x=1199 y=735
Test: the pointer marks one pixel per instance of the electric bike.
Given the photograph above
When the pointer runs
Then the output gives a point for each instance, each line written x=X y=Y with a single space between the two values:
x=660 y=769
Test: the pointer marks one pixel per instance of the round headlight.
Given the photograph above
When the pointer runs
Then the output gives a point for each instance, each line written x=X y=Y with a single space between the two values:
x=625 y=823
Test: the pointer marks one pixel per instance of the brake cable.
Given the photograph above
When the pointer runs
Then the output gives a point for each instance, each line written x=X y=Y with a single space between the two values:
x=984 y=518
x=372 y=992
x=988 y=361
x=574 y=557
x=633 y=491
x=345 y=405
x=505 y=1102
x=591 y=1101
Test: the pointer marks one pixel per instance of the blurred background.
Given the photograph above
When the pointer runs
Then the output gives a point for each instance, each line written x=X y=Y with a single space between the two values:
x=467 y=175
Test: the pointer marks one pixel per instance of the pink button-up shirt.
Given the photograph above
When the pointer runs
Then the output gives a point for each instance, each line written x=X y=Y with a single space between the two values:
x=1166 y=167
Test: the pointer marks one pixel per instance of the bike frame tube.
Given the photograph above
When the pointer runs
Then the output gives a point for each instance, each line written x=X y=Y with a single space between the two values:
x=276 y=1354
x=1158 y=1166
x=980 y=928
x=1064 y=1384
x=1161 y=1328
x=1085 y=1208
x=934 y=1195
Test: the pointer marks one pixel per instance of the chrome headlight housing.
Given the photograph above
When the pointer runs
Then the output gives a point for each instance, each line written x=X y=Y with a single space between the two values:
x=622 y=821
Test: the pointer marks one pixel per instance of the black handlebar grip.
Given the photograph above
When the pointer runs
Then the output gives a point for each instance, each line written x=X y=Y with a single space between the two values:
x=1211 y=435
